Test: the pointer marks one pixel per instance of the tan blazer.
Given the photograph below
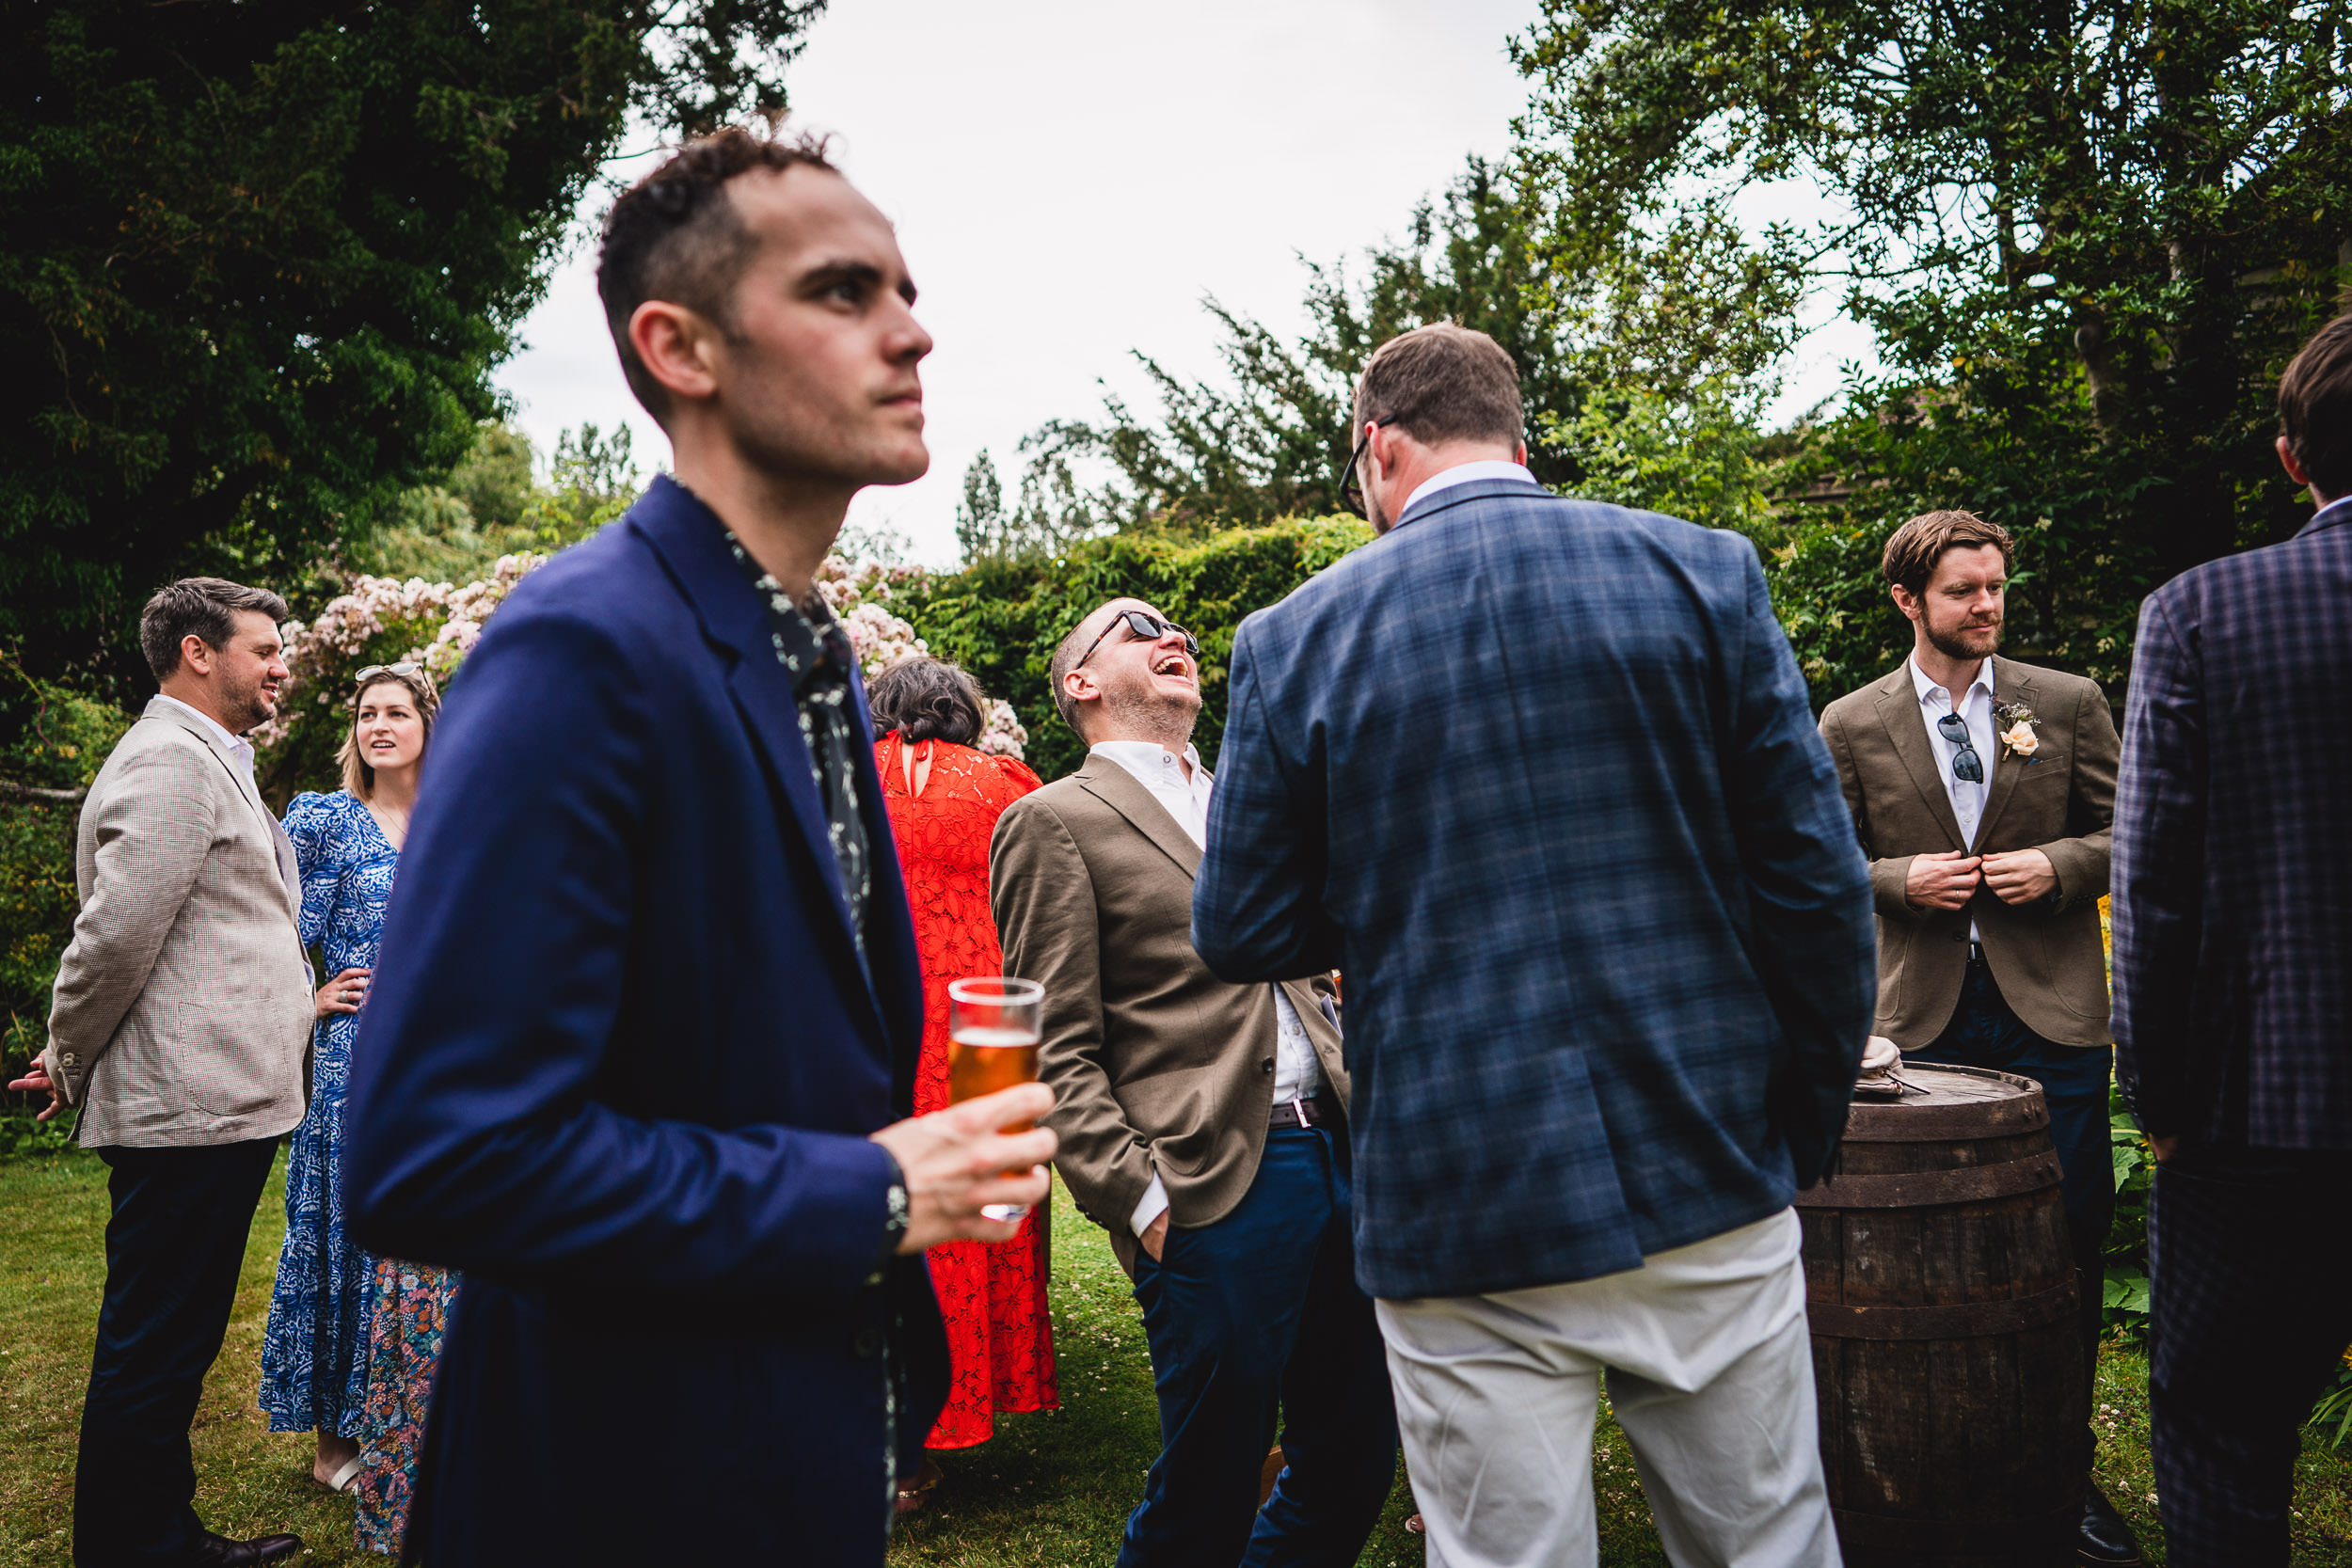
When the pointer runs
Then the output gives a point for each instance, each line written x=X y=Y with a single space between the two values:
x=182 y=1010
x=2047 y=957
x=1155 y=1062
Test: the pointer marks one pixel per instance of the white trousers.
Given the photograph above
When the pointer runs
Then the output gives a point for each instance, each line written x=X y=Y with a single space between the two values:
x=1710 y=1375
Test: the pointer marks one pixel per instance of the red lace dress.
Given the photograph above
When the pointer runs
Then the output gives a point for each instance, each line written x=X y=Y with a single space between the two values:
x=1000 y=1338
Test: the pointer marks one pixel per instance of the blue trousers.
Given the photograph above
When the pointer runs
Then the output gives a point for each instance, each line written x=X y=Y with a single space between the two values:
x=1984 y=1032
x=174 y=1244
x=1255 y=1313
x=2251 y=1305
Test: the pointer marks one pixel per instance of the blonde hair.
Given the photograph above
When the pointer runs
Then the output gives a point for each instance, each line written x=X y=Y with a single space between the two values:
x=359 y=776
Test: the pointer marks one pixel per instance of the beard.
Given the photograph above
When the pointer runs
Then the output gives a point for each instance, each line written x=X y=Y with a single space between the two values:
x=1964 y=643
x=246 y=706
x=1144 y=709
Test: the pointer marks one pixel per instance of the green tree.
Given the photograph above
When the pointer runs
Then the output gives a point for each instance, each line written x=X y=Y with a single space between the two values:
x=492 y=505
x=260 y=259
x=1626 y=376
x=1266 y=440
x=2086 y=236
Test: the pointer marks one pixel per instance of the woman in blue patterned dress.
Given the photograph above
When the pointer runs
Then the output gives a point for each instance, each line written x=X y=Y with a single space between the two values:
x=315 y=1350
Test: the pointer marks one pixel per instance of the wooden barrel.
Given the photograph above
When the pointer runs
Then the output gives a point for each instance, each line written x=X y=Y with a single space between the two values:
x=1945 y=1346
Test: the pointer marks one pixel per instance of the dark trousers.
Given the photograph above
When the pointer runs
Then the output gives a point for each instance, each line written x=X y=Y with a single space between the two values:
x=1257 y=1311
x=174 y=1244
x=2249 y=1308
x=1985 y=1033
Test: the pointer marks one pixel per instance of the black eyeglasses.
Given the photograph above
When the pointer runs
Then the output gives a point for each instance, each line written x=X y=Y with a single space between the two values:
x=1146 y=627
x=1351 y=490
x=1967 y=766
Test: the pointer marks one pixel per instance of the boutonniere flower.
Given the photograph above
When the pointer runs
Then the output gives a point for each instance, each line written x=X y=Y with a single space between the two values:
x=2017 y=733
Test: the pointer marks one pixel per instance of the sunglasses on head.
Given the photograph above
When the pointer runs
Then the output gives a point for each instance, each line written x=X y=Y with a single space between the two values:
x=1146 y=627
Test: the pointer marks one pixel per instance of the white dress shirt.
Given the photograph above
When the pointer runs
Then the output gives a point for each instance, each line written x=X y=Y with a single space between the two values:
x=1976 y=709
x=239 y=747
x=1183 y=785
x=1466 y=473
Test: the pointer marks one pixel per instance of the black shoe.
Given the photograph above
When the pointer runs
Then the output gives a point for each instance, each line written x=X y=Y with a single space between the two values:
x=2104 y=1538
x=218 y=1551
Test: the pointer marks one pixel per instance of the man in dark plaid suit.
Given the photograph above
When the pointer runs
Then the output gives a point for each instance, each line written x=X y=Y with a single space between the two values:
x=1540 y=777
x=2233 y=987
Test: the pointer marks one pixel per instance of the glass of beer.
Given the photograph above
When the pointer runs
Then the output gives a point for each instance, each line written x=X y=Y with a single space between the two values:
x=992 y=1034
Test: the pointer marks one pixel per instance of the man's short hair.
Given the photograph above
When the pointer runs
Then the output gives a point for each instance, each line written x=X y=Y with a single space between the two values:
x=2315 y=409
x=1442 y=383
x=1919 y=544
x=675 y=236
x=1066 y=654
x=205 y=607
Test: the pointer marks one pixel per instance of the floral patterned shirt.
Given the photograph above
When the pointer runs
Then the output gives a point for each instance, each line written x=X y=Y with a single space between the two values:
x=815 y=652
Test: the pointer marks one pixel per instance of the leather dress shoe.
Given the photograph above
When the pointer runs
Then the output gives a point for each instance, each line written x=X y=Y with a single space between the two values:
x=218 y=1551
x=2104 y=1538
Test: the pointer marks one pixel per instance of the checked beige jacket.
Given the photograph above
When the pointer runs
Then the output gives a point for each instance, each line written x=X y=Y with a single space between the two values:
x=1155 y=1062
x=183 y=1009
x=2047 y=957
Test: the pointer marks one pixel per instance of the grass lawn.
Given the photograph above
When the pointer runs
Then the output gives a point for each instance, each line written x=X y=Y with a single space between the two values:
x=1050 y=1489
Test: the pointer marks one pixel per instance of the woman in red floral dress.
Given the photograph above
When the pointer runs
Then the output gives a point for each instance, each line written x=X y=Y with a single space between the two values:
x=944 y=798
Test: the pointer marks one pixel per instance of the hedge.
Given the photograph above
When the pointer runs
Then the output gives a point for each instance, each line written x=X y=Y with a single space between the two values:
x=1001 y=619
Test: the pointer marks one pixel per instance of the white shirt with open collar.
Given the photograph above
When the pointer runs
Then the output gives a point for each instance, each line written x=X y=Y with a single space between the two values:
x=1976 y=711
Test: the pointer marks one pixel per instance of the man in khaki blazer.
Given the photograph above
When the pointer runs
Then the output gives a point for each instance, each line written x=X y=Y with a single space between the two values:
x=1983 y=791
x=1202 y=1124
x=181 y=1027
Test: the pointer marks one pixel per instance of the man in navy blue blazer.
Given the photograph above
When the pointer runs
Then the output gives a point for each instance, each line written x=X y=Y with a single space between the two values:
x=2233 y=987
x=1540 y=777
x=638 y=1054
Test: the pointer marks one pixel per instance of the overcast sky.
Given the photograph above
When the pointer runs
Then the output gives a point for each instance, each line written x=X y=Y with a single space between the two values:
x=1071 y=179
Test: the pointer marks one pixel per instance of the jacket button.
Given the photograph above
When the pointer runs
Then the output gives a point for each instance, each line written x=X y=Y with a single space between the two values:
x=1266 y=1065
x=867 y=1344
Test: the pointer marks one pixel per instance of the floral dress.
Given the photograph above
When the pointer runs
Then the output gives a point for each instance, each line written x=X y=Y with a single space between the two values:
x=408 y=1309
x=1000 y=1337
x=314 y=1348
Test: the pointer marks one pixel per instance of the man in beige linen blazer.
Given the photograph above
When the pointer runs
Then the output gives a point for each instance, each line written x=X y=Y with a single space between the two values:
x=1202 y=1123
x=184 y=1007
x=181 y=1027
x=1983 y=792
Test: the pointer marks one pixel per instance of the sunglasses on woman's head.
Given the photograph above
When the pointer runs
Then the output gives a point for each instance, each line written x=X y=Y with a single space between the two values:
x=403 y=668
x=1146 y=629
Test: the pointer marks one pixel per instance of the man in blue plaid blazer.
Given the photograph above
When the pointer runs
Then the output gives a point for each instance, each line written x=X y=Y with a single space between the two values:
x=1539 y=776
x=2232 y=925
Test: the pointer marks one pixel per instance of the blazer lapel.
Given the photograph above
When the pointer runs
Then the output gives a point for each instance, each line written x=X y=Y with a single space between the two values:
x=1899 y=710
x=288 y=869
x=1119 y=790
x=2011 y=684
x=692 y=540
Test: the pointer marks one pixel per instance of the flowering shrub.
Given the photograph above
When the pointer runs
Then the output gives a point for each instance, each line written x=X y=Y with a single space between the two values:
x=857 y=594
x=385 y=621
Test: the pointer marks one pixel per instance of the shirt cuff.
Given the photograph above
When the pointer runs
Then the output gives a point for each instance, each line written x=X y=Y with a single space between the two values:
x=1149 y=1207
x=894 y=1219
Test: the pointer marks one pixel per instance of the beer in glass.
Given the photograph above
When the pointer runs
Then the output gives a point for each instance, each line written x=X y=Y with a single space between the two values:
x=992 y=1034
